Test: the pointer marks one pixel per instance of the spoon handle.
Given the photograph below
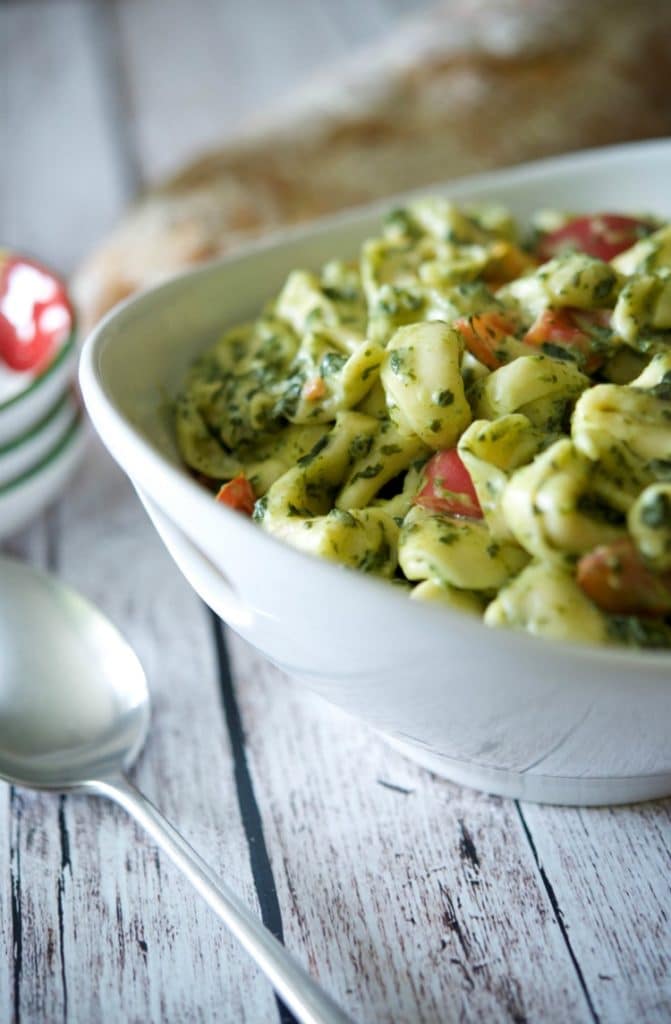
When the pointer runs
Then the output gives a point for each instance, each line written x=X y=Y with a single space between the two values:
x=309 y=1003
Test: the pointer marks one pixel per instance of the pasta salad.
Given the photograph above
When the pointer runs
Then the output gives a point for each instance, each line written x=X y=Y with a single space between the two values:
x=477 y=412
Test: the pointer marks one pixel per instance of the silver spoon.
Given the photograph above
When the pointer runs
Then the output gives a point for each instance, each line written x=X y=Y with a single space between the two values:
x=74 y=714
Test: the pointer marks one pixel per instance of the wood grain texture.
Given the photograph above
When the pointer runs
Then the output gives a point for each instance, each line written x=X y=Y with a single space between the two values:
x=414 y=900
x=141 y=945
x=307 y=769
x=610 y=870
x=33 y=984
x=38 y=987
x=8 y=907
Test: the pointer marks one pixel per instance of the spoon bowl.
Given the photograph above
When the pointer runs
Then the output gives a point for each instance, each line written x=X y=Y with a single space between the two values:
x=74 y=714
x=74 y=702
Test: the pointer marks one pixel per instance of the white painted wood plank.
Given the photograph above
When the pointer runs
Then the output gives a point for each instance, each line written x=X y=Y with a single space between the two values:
x=139 y=943
x=6 y=894
x=32 y=542
x=35 y=875
x=30 y=863
x=150 y=950
x=197 y=80
x=59 y=190
x=59 y=183
x=423 y=905
x=610 y=871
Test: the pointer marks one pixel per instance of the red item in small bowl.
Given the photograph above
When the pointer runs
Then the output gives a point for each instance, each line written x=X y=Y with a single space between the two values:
x=35 y=313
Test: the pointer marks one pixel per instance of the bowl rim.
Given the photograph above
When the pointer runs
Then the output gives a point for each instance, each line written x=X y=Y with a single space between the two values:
x=103 y=410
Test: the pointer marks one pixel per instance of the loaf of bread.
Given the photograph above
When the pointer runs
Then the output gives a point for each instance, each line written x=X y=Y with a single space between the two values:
x=473 y=84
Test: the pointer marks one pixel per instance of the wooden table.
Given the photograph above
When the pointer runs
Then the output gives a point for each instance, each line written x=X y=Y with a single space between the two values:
x=409 y=898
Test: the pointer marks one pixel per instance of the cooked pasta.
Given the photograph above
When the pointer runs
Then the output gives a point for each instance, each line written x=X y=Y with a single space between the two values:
x=474 y=412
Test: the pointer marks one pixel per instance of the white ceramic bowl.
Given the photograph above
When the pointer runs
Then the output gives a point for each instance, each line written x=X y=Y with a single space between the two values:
x=22 y=498
x=21 y=454
x=495 y=709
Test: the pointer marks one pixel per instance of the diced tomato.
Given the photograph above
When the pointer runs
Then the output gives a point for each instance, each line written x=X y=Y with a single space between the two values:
x=35 y=313
x=314 y=389
x=569 y=328
x=602 y=236
x=448 y=487
x=483 y=334
x=238 y=493
x=615 y=577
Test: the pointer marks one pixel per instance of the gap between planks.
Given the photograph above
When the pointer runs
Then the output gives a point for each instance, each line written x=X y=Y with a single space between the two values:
x=423 y=927
x=82 y=918
x=287 y=732
x=409 y=1000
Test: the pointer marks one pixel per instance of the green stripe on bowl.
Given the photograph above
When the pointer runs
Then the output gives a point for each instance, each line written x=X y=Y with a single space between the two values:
x=64 y=353
x=27 y=435
x=51 y=456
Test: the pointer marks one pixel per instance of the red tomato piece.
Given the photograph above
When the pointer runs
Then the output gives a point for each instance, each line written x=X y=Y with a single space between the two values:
x=569 y=328
x=448 y=487
x=238 y=494
x=602 y=236
x=483 y=334
x=35 y=313
x=615 y=577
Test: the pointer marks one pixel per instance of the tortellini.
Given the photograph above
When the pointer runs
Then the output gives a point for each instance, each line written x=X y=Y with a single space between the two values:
x=649 y=254
x=479 y=416
x=538 y=386
x=362 y=539
x=545 y=600
x=309 y=487
x=390 y=452
x=491 y=450
x=550 y=509
x=649 y=522
x=644 y=302
x=626 y=430
x=442 y=593
x=458 y=552
x=575 y=280
x=421 y=376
